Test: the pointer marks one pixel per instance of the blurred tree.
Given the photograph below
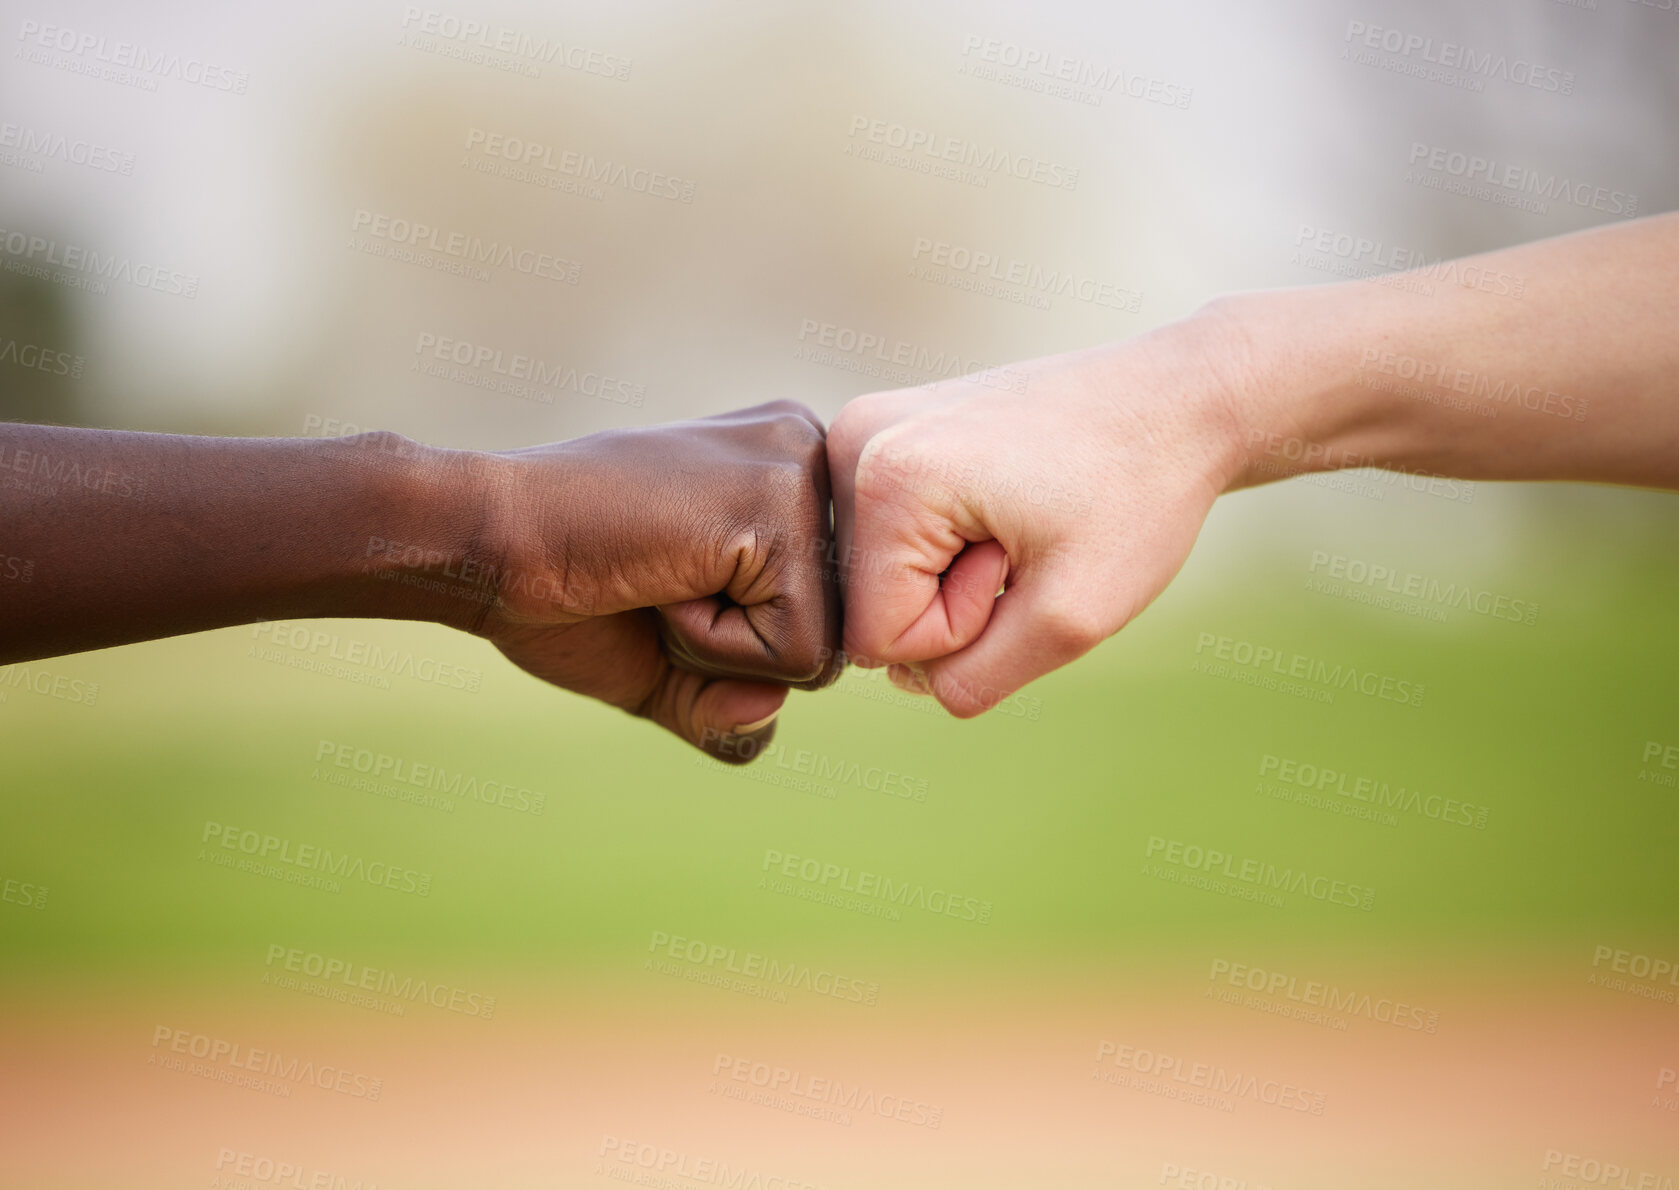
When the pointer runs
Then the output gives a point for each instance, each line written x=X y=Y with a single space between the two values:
x=40 y=377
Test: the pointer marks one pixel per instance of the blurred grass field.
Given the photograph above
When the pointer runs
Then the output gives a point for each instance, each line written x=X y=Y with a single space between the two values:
x=1047 y=819
x=1043 y=812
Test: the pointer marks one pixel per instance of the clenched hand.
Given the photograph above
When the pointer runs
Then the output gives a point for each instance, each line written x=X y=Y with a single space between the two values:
x=678 y=571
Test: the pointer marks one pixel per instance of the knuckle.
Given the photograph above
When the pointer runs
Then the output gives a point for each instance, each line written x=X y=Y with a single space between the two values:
x=788 y=489
x=962 y=698
x=853 y=426
x=1067 y=624
x=882 y=469
x=796 y=410
x=795 y=429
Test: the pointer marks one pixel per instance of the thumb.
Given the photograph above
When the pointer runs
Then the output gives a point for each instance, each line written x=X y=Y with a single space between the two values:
x=729 y=719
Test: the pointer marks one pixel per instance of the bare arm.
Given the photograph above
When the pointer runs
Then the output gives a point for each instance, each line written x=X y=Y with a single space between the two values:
x=1552 y=360
x=673 y=571
x=136 y=536
x=1081 y=485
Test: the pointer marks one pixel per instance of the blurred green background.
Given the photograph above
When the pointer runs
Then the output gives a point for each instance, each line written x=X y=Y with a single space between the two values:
x=1277 y=133
x=1544 y=725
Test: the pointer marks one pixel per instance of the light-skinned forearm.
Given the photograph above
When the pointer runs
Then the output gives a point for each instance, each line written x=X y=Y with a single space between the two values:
x=1080 y=485
x=1556 y=360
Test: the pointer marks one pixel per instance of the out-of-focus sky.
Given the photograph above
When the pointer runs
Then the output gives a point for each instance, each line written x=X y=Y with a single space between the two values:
x=279 y=156
x=762 y=208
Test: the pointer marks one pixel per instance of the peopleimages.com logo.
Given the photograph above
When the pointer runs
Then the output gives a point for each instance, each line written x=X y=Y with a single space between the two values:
x=780 y=1085
x=905 y=894
x=1208 y=1078
x=1385 y=795
x=126 y=61
x=360 y=977
x=1455 y=59
x=467 y=39
x=1507 y=179
x=716 y=963
x=1313 y=993
x=1259 y=873
x=39 y=255
x=224 y=1057
x=306 y=859
x=1267 y=664
x=1593 y=1171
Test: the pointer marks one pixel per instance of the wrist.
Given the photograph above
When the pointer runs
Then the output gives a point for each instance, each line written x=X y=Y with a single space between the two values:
x=430 y=542
x=1298 y=395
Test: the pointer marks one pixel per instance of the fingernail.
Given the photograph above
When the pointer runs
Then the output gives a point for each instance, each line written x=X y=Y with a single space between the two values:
x=756 y=724
x=908 y=677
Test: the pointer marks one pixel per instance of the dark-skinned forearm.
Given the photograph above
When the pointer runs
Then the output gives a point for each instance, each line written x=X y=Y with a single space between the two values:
x=125 y=537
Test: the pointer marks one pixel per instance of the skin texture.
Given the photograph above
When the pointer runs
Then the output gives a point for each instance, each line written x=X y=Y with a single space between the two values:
x=677 y=572
x=1080 y=497
x=693 y=564
x=984 y=537
x=1082 y=505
